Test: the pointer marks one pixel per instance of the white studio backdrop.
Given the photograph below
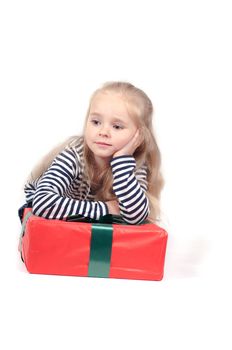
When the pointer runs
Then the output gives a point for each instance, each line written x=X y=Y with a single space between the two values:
x=54 y=54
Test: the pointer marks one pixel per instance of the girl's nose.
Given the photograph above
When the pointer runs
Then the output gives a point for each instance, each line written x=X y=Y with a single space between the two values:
x=104 y=131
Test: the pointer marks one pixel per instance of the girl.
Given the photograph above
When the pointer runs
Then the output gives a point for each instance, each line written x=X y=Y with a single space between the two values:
x=113 y=168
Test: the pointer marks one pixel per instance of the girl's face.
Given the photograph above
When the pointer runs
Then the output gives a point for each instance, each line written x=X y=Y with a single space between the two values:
x=109 y=126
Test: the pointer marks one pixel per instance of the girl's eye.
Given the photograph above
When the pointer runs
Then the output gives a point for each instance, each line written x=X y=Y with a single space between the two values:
x=118 y=127
x=95 y=122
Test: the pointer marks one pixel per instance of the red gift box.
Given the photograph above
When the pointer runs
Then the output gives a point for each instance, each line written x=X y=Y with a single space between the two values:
x=71 y=248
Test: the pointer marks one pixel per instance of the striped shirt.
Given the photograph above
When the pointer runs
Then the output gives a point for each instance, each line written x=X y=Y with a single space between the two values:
x=62 y=191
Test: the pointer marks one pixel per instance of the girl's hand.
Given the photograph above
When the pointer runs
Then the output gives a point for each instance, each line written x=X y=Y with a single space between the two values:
x=131 y=146
x=113 y=207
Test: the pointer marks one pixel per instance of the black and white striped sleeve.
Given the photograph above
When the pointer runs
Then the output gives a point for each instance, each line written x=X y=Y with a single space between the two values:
x=130 y=188
x=50 y=200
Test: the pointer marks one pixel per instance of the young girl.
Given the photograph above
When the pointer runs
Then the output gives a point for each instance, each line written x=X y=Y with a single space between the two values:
x=114 y=168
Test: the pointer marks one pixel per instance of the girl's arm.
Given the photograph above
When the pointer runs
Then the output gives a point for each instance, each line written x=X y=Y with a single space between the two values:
x=130 y=189
x=50 y=199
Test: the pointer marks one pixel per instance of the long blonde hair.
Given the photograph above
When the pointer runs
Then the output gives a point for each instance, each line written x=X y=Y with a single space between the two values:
x=140 y=108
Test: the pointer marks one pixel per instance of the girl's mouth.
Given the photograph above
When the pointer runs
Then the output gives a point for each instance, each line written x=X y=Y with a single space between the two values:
x=103 y=144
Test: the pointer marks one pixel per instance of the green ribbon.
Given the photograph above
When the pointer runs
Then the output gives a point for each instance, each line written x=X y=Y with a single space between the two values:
x=100 y=250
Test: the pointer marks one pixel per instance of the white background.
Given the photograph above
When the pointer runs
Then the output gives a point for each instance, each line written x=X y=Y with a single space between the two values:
x=54 y=54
